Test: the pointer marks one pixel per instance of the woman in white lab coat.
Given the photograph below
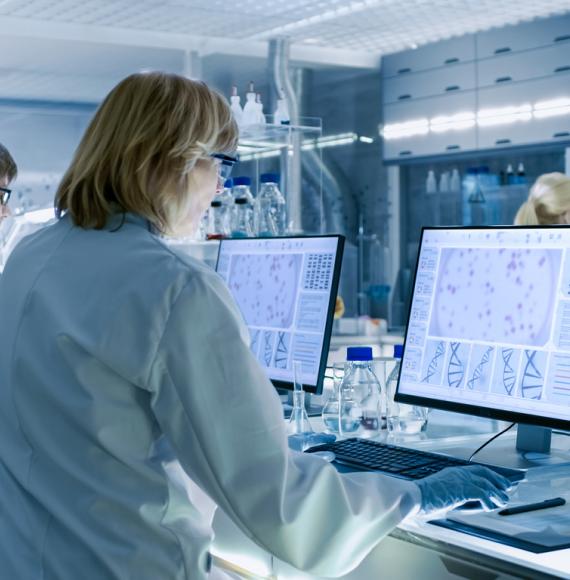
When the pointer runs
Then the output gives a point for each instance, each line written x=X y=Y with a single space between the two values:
x=125 y=370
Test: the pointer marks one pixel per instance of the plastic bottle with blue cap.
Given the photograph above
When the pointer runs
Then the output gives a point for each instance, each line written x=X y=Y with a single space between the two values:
x=401 y=418
x=361 y=398
x=271 y=207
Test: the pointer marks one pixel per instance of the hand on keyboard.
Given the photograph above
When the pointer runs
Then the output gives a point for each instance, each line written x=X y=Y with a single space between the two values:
x=453 y=486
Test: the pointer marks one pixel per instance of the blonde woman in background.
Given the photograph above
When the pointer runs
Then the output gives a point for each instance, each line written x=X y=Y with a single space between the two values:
x=548 y=202
x=127 y=382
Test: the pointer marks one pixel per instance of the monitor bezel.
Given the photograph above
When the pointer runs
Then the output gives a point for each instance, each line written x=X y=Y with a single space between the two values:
x=468 y=409
x=316 y=389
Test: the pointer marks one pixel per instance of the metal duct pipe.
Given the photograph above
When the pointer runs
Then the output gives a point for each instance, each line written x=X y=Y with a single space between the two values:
x=279 y=50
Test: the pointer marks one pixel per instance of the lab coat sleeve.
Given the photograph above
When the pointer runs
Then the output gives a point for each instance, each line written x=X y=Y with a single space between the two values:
x=225 y=421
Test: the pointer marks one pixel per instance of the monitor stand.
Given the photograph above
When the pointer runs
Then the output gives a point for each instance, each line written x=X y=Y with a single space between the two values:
x=533 y=438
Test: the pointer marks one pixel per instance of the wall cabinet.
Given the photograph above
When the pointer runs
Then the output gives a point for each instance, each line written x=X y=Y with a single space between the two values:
x=495 y=70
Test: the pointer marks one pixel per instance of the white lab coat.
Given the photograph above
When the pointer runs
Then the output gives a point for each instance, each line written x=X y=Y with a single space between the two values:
x=122 y=362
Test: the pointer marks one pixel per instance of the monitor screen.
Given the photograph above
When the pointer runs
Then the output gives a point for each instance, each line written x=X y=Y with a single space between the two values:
x=286 y=291
x=489 y=325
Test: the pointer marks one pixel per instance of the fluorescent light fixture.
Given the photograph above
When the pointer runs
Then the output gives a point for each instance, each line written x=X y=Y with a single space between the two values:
x=552 y=108
x=364 y=139
x=456 y=122
x=504 y=115
x=406 y=129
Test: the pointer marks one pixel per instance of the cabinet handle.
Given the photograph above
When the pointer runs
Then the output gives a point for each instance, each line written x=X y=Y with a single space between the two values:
x=404 y=153
x=503 y=79
x=452 y=148
x=403 y=71
x=502 y=141
x=562 y=69
x=452 y=88
x=451 y=60
x=561 y=134
x=562 y=38
x=503 y=50
x=404 y=97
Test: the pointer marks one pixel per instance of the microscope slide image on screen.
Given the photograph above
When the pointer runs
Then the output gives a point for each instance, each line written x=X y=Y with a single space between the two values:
x=284 y=299
x=488 y=324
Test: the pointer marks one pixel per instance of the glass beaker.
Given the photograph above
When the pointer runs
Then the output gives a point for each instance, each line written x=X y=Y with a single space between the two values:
x=331 y=409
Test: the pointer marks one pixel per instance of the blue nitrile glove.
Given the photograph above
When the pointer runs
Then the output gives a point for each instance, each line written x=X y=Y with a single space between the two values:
x=302 y=441
x=453 y=486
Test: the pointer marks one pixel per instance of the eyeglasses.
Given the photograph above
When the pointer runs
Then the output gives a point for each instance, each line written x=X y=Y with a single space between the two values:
x=225 y=164
x=5 y=194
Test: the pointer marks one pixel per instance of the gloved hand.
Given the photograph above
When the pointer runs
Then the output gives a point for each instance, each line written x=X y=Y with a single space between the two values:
x=453 y=486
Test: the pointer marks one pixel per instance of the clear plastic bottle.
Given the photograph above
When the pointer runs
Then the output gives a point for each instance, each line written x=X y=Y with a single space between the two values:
x=331 y=408
x=401 y=418
x=236 y=106
x=455 y=181
x=242 y=219
x=227 y=199
x=271 y=207
x=250 y=109
x=281 y=115
x=217 y=224
x=242 y=190
x=260 y=116
x=431 y=183
x=361 y=401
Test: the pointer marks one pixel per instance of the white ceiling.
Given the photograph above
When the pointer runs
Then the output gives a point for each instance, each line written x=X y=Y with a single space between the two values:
x=75 y=48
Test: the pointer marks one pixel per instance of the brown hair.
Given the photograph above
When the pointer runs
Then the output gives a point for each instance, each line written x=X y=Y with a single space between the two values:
x=548 y=201
x=139 y=150
x=8 y=167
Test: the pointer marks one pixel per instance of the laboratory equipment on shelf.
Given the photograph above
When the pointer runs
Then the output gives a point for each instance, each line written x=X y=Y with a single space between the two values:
x=401 y=418
x=260 y=116
x=362 y=401
x=250 y=115
x=431 y=183
x=281 y=115
x=455 y=180
x=271 y=207
x=236 y=106
x=217 y=224
x=242 y=219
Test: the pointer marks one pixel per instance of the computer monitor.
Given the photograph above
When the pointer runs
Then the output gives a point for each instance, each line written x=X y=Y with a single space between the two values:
x=286 y=290
x=489 y=324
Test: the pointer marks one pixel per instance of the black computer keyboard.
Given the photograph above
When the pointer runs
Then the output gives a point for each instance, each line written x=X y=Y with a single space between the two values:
x=363 y=454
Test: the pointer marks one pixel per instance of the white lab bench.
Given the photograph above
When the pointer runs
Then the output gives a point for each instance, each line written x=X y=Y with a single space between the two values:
x=420 y=550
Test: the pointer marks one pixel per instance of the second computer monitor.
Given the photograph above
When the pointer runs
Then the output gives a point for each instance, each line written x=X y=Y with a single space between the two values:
x=489 y=328
x=286 y=291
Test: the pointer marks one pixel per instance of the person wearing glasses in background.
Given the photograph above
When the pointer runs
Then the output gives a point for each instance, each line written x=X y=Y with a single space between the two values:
x=8 y=172
x=129 y=397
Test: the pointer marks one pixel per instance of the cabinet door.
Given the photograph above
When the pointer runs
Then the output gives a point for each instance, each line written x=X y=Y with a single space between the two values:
x=524 y=36
x=535 y=130
x=440 y=81
x=432 y=143
x=524 y=66
x=447 y=52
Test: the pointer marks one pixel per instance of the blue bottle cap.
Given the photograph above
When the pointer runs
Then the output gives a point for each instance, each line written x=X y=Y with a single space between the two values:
x=269 y=178
x=242 y=181
x=229 y=183
x=359 y=353
x=398 y=350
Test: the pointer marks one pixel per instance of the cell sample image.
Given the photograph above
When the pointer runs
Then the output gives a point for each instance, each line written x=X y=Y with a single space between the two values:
x=558 y=384
x=255 y=337
x=434 y=362
x=282 y=349
x=266 y=347
x=480 y=367
x=458 y=356
x=506 y=371
x=496 y=295
x=532 y=374
x=265 y=288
